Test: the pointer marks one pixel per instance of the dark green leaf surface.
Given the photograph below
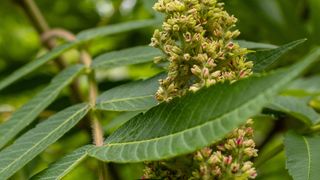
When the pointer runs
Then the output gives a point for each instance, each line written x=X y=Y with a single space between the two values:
x=30 y=144
x=303 y=157
x=297 y=108
x=135 y=55
x=30 y=67
x=63 y=166
x=254 y=45
x=28 y=112
x=196 y=120
x=264 y=58
x=134 y=96
x=120 y=120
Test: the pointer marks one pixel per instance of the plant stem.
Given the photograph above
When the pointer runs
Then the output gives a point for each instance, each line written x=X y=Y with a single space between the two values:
x=95 y=124
x=275 y=151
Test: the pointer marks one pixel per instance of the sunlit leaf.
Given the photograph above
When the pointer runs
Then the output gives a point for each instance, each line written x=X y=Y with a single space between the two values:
x=195 y=120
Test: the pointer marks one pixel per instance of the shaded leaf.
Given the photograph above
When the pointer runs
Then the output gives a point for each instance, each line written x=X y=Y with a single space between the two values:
x=135 y=55
x=63 y=166
x=134 y=96
x=195 y=120
x=30 y=67
x=28 y=112
x=265 y=58
x=305 y=86
x=303 y=157
x=297 y=108
x=30 y=144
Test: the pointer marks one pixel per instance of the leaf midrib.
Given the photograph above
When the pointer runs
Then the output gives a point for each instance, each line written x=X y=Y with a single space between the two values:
x=195 y=127
x=39 y=142
x=309 y=155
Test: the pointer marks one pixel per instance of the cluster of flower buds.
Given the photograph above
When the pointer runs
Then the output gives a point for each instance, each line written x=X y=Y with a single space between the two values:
x=231 y=158
x=197 y=41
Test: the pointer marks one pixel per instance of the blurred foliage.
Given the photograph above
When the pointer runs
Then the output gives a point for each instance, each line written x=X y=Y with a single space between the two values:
x=271 y=21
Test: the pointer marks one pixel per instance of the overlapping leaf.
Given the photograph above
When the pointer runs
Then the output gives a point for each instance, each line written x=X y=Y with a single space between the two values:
x=63 y=166
x=305 y=86
x=264 y=58
x=28 y=112
x=196 y=120
x=303 y=157
x=30 y=144
x=297 y=108
x=135 y=55
x=134 y=96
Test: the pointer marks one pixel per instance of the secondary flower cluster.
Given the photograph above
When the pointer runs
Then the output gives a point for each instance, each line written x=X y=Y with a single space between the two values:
x=230 y=159
x=197 y=41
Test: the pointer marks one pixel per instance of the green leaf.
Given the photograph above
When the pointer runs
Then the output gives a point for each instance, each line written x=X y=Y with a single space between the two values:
x=264 y=58
x=305 y=86
x=195 y=120
x=28 y=112
x=134 y=96
x=303 y=157
x=254 y=45
x=136 y=55
x=30 y=144
x=63 y=166
x=120 y=120
x=94 y=33
x=82 y=37
x=297 y=108
x=30 y=67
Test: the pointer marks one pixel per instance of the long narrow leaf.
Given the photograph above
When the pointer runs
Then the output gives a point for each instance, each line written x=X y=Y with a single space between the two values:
x=196 y=120
x=28 y=112
x=135 y=55
x=82 y=37
x=18 y=74
x=63 y=166
x=134 y=96
x=264 y=58
x=30 y=144
x=255 y=45
x=303 y=157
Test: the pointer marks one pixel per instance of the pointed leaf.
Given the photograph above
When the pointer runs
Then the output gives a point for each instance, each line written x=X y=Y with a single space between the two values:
x=297 y=108
x=134 y=96
x=265 y=58
x=254 y=45
x=135 y=55
x=30 y=144
x=196 y=120
x=63 y=166
x=303 y=157
x=120 y=120
x=28 y=112
x=30 y=67
x=94 y=33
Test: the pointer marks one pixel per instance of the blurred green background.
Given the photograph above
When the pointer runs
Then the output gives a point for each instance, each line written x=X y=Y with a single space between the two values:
x=270 y=21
